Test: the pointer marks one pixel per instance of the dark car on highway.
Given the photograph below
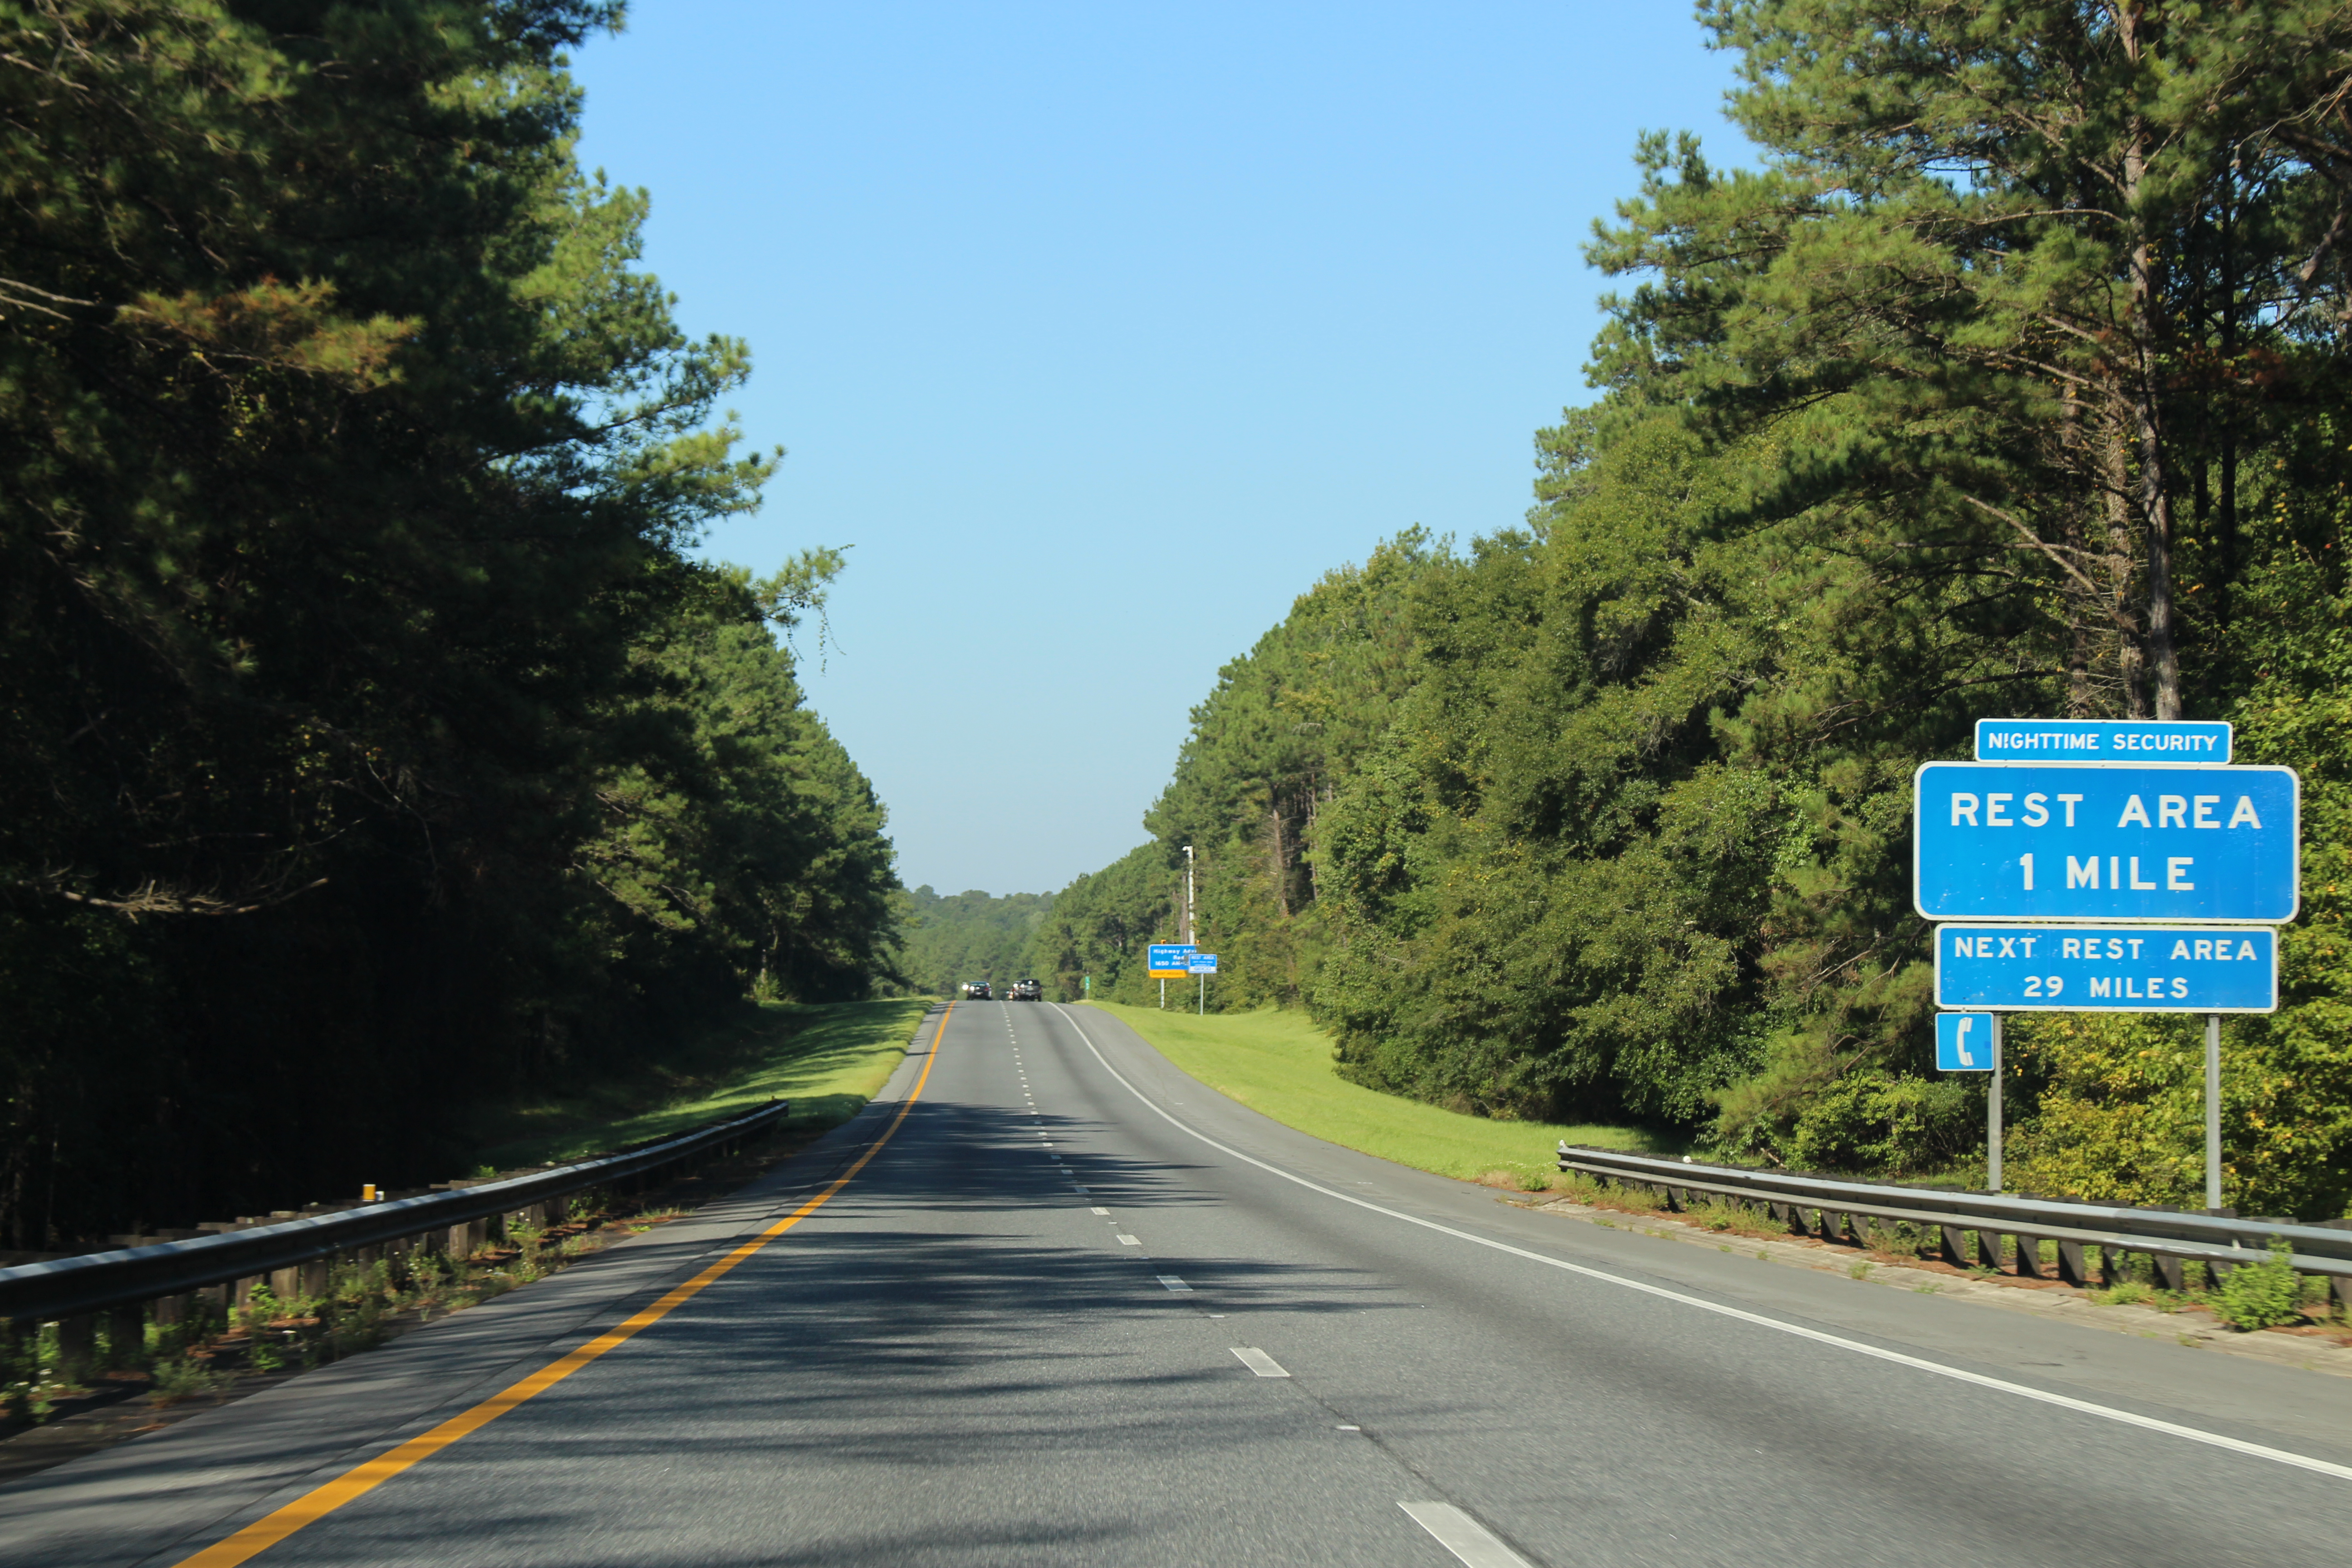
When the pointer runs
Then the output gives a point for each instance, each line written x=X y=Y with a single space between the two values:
x=977 y=991
x=1026 y=991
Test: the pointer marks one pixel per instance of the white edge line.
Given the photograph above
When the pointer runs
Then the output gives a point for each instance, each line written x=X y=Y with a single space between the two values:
x=1960 y=1374
x=1463 y=1535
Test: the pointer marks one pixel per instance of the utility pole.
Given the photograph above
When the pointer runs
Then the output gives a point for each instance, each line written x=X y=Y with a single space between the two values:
x=1188 y=895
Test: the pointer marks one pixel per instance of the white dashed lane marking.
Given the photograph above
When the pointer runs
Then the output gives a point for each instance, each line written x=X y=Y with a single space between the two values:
x=1258 y=1362
x=1463 y=1536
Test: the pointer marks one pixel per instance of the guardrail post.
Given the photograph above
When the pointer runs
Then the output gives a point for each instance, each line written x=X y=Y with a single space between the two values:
x=2072 y=1270
x=77 y=1346
x=2169 y=1270
x=2029 y=1257
x=1952 y=1245
x=1988 y=1250
x=126 y=1335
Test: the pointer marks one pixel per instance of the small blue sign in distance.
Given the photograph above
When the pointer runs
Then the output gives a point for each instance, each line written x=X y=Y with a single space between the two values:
x=1166 y=959
x=1203 y=963
x=2107 y=968
x=2054 y=841
x=1964 y=1042
x=2100 y=741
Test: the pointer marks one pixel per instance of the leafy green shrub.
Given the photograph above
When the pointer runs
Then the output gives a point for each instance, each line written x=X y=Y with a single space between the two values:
x=2260 y=1295
x=178 y=1380
x=1878 y=1121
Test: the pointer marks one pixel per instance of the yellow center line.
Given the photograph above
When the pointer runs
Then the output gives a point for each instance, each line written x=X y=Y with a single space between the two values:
x=312 y=1506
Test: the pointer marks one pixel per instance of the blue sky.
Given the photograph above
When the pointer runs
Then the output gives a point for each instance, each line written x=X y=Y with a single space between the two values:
x=1100 y=331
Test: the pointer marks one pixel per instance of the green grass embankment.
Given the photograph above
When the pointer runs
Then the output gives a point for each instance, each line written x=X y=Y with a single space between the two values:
x=1279 y=1065
x=829 y=1061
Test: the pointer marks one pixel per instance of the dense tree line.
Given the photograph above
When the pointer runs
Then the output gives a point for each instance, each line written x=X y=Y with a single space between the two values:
x=2012 y=381
x=373 y=742
x=948 y=940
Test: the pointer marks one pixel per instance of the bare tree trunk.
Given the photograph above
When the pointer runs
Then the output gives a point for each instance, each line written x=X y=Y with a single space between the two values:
x=1314 y=882
x=2083 y=612
x=2148 y=415
x=2130 y=670
x=1281 y=861
x=2226 y=533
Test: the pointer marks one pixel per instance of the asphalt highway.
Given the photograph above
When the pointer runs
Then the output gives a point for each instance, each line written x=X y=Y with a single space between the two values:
x=1075 y=1308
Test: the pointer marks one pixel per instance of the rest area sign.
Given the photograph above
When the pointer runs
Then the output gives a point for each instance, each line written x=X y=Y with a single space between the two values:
x=2107 y=968
x=2074 y=843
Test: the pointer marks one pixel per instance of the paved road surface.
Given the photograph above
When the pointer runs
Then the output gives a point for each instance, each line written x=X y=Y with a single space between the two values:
x=1079 y=1309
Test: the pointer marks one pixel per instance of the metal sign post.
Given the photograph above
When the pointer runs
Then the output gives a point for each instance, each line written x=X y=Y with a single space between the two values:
x=1204 y=964
x=2212 y=1111
x=1992 y=1115
x=1970 y=1042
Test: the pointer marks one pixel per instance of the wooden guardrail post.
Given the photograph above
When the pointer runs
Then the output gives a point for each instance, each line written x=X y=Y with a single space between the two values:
x=2071 y=1268
x=126 y=1335
x=77 y=1346
x=2169 y=1271
x=2029 y=1257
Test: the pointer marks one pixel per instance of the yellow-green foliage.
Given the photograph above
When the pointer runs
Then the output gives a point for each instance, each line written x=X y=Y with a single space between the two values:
x=2260 y=1295
x=1279 y=1064
x=2121 y=1116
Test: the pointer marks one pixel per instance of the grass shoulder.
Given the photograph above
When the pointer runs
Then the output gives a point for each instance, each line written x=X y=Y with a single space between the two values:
x=827 y=1059
x=1279 y=1064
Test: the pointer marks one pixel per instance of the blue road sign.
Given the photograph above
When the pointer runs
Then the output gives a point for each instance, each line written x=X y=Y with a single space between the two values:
x=2100 y=741
x=1964 y=1042
x=1167 y=959
x=2107 y=969
x=1203 y=963
x=2054 y=841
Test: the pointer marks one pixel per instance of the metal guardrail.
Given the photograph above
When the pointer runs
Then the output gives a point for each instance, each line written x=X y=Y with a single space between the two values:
x=93 y=1282
x=2158 y=1234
